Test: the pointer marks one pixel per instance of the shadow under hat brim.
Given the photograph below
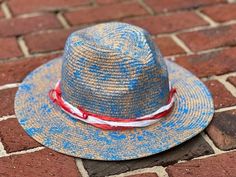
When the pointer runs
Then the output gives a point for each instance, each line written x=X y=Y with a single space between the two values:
x=50 y=126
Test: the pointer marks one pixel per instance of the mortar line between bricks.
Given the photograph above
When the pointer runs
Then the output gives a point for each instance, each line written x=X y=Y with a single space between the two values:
x=6 y=10
x=228 y=86
x=23 y=152
x=7 y=117
x=8 y=86
x=206 y=18
x=223 y=79
x=32 y=56
x=197 y=28
x=212 y=50
x=210 y=142
x=231 y=1
x=28 y=15
x=180 y=43
x=219 y=76
x=159 y=170
x=81 y=168
x=226 y=109
x=2 y=150
x=206 y=156
x=23 y=46
x=62 y=20
x=146 y=7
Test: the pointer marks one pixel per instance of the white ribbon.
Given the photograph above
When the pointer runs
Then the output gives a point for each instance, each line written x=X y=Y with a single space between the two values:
x=95 y=120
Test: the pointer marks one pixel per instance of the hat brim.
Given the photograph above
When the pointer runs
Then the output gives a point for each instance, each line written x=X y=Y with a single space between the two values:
x=47 y=124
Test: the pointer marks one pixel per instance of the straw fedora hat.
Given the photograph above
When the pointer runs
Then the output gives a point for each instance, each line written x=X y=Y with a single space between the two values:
x=112 y=96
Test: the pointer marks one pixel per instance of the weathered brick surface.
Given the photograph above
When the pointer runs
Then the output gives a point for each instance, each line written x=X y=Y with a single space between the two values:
x=9 y=48
x=170 y=5
x=232 y=80
x=221 y=96
x=19 y=26
x=15 y=71
x=208 y=64
x=222 y=12
x=37 y=23
x=210 y=38
x=25 y=6
x=168 y=46
x=192 y=148
x=104 y=2
x=168 y=23
x=1 y=13
x=48 y=41
x=14 y=138
x=222 y=165
x=144 y=175
x=43 y=163
x=105 y=13
x=222 y=130
x=7 y=97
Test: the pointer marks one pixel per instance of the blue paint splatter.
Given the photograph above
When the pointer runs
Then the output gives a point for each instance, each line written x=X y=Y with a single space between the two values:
x=133 y=84
x=56 y=130
x=47 y=141
x=23 y=121
x=26 y=87
x=140 y=138
x=77 y=74
x=33 y=131
x=106 y=77
x=45 y=108
x=117 y=136
x=104 y=139
x=94 y=68
x=68 y=145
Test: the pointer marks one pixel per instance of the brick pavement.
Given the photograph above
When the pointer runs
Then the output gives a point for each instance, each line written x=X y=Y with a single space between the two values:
x=200 y=35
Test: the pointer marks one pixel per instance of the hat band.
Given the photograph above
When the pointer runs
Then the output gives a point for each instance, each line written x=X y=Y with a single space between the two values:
x=109 y=123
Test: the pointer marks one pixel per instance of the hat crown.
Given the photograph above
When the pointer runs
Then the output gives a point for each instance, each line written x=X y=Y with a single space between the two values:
x=114 y=69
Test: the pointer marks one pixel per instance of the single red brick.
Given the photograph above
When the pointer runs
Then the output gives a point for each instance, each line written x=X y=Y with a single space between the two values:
x=193 y=148
x=168 y=46
x=105 y=13
x=170 y=5
x=222 y=12
x=43 y=163
x=208 y=64
x=47 y=41
x=9 y=48
x=15 y=71
x=168 y=23
x=221 y=96
x=222 y=130
x=19 y=26
x=210 y=38
x=222 y=165
x=144 y=175
x=7 y=101
x=232 y=80
x=25 y=6
x=14 y=138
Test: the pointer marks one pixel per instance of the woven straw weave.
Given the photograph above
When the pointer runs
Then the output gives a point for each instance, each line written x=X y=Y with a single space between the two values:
x=114 y=69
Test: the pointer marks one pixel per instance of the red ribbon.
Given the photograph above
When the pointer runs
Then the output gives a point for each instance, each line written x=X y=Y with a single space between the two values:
x=55 y=96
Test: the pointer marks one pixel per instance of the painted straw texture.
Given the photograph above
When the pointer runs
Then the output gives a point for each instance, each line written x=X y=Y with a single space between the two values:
x=114 y=69
x=50 y=126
